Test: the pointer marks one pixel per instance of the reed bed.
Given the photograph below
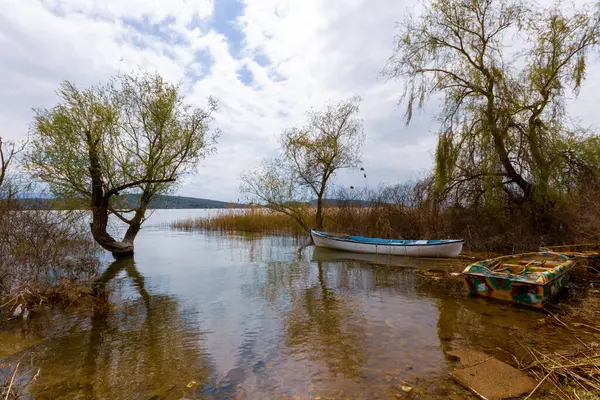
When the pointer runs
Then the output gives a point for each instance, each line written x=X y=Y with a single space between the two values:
x=250 y=220
x=415 y=212
x=484 y=230
x=46 y=257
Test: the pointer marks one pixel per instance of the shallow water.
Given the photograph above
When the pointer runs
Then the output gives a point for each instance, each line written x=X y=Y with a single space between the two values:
x=214 y=316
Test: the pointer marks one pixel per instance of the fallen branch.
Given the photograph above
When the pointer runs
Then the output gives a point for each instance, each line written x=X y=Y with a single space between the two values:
x=12 y=380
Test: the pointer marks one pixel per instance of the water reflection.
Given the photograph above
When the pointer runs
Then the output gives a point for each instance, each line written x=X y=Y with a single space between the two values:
x=326 y=254
x=143 y=348
x=321 y=323
x=219 y=317
x=351 y=329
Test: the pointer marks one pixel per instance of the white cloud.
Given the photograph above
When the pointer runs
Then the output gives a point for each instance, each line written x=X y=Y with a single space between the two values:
x=183 y=11
x=318 y=50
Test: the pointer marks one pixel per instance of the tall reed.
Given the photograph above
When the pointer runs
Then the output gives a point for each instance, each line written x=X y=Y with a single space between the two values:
x=252 y=220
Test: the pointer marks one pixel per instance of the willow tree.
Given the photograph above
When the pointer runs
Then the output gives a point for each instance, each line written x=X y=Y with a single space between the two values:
x=308 y=158
x=505 y=69
x=135 y=134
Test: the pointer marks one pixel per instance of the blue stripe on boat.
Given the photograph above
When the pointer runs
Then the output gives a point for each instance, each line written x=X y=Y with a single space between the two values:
x=392 y=241
x=379 y=241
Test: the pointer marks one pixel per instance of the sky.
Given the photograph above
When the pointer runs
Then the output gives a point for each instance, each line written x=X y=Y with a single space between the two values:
x=267 y=62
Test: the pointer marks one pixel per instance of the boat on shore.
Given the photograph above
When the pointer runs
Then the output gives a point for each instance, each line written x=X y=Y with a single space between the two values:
x=530 y=278
x=587 y=253
x=409 y=248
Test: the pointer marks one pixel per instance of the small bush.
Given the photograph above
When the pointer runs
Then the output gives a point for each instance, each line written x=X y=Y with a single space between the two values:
x=44 y=255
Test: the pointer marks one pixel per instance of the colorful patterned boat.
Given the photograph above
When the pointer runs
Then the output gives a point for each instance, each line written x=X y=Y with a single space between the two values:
x=587 y=253
x=529 y=278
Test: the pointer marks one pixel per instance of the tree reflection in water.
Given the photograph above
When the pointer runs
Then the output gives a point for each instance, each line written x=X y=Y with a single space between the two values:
x=322 y=329
x=352 y=329
x=145 y=347
x=322 y=324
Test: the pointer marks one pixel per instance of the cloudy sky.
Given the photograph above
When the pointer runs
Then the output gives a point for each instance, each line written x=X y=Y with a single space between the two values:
x=266 y=61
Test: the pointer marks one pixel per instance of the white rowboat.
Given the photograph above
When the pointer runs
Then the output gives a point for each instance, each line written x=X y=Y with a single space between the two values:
x=410 y=248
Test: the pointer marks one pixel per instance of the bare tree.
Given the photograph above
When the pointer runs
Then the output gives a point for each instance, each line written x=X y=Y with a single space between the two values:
x=134 y=134
x=9 y=150
x=272 y=185
x=310 y=157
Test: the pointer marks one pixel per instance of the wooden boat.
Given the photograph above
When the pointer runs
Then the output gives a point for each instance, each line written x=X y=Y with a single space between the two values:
x=587 y=253
x=410 y=248
x=529 y=278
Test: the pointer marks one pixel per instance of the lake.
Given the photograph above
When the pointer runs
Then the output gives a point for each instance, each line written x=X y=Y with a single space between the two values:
x=215 y=316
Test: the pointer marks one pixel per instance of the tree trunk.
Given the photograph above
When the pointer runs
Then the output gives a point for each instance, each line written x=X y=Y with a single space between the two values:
x=100 y=203
x=492 y=123
x=136 y=222
x=99 y=225
x=319 y=212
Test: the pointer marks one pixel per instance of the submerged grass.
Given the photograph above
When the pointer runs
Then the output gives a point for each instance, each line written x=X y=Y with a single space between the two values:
x=13 y=387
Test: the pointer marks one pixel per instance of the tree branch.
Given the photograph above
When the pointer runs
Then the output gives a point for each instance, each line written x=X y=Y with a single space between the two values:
x=118 y=189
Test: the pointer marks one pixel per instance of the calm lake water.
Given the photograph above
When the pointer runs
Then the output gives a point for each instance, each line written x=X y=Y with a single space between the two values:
x=197 y=315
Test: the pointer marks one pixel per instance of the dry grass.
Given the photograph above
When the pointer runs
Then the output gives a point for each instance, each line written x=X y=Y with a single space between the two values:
x=252 y=220
x=46 y=257
x=574 y=375
x=493 y=231
x=408 y=212
x=484 y=231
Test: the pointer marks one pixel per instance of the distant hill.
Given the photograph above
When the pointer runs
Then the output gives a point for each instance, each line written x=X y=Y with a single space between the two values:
x=163 y=202
x=133 y=200
x=170 y=202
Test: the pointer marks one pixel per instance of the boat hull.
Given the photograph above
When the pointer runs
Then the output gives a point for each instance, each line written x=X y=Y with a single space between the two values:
x=449 y=249
x=516 y=292
x=482 y=281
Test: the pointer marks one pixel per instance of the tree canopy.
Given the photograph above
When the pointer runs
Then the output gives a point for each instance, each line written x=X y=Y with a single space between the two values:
x=133 y=134
x=505 y=69
x=309 y=156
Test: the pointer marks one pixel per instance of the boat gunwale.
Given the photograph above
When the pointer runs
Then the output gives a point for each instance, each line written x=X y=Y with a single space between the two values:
x=340 y=239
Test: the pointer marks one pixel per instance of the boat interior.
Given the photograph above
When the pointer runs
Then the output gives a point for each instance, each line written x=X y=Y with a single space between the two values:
x=526 y=265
